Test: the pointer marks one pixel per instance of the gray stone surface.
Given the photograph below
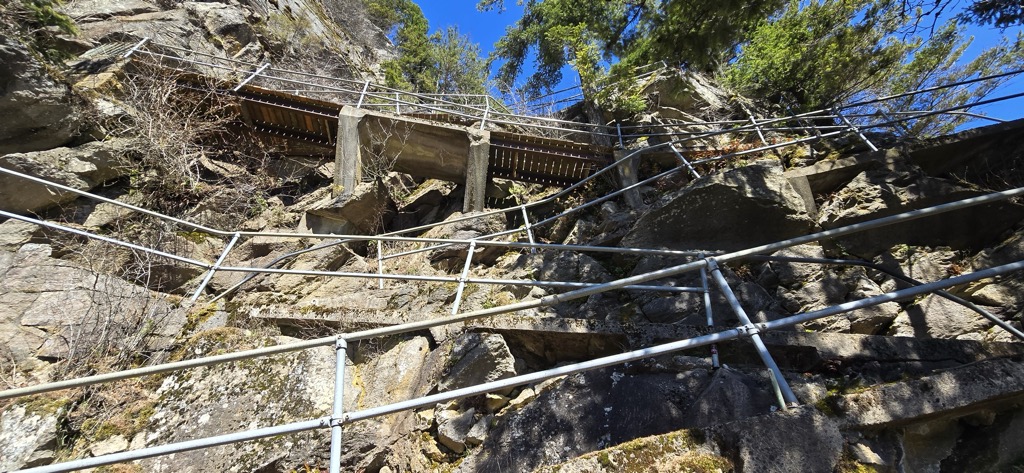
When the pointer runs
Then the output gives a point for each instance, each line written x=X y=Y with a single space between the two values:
x=707 y=213
x=453 y=427
x=226 y=22
x=52 y=307
x=801 y=439
x=944 y=393
x=478 y=358
x=584 y=413
x=84 y=11
x=27 y=437
x=237 y=396
x=39 y=111
x=936 y=317
x=453 y=257
x=83 y=168
x=366 y=209
x=882 y=192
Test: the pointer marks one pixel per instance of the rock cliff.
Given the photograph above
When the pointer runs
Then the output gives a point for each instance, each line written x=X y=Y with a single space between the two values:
x=925 y=384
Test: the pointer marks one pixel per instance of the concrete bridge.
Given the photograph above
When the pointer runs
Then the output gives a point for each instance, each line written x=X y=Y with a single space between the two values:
x=436 y=145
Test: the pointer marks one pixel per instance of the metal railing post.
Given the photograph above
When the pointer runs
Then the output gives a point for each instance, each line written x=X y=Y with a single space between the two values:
x=398 y=105
x=251 y=77
x=217 y=264
x=135 y=48
x=362 y=94
x=707 y=311
x=380 y=264
x=487 y=111
x=618 y=131
x=757 y=127
x=338 y=409
x=854 y=129
x=462 y=278
x=529 y=230
x=752 y=331
x=684 y=161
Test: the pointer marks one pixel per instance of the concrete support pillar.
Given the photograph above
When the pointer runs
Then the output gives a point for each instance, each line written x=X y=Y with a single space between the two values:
x=348 y=168
x=476 y=170
x=627 y=177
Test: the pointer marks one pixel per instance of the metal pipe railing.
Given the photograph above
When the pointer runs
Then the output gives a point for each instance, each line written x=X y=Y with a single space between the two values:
x=336 y=422
x=542 y=302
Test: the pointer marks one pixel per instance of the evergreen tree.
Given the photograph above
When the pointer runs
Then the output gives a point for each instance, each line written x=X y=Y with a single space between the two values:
x=443 y=62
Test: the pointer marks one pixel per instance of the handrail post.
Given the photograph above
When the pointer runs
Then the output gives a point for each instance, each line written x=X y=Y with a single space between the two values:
x=785 y=393
x=487 y=111
x=338 y=408
x=251 y=77
x=854 y=129
x=135 y=48
x=757 y=127
x=618 y=131
x=707 y=311
x=529 y=230
x=380 y=264
x=216 y=265
x=462 y=278
x=363 y=94
x=684 y=161
x=398 y=105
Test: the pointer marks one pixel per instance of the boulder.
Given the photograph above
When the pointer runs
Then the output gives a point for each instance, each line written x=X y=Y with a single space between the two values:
x=226 y=23
x=584 y=413
x=28 y=436
x=706 y=214
x=83 y=168
x=365 y=210
x=39 y=111
x=801 y=439
x=52 y=307
x=231 y=397
x=453 y=426
x=453 y=257
x=881 y=192
x=478 y=358
x=937 y=317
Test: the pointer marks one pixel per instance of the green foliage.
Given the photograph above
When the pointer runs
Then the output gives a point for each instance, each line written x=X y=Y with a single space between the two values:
x=816 y=54
x=1001 y=13
x=693 y=33
x=443 y=62
x=935 y=63
x=43 y=14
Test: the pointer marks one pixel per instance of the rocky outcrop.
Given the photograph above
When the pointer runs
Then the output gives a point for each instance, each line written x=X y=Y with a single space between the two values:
x=478 y=358
x=28 y=433
x=367 y=209
x=705 y=214
x=55 y=310
x=83 y=168
x=40 y=112
x=230 y=397
x=453 y=257
x=881 y=192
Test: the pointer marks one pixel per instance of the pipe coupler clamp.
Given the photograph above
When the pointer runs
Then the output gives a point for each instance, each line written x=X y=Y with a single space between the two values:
x=750 y=330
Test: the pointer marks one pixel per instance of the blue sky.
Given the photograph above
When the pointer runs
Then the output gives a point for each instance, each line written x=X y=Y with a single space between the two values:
x=486 y=28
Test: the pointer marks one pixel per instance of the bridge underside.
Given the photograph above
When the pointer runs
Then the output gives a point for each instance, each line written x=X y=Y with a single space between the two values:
x=437 y=146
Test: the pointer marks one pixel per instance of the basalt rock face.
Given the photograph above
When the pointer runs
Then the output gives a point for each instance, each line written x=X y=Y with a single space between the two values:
x=917 y=385
x=251 y=31
x=39 y=111
x=82 y=168
x=705 y=214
